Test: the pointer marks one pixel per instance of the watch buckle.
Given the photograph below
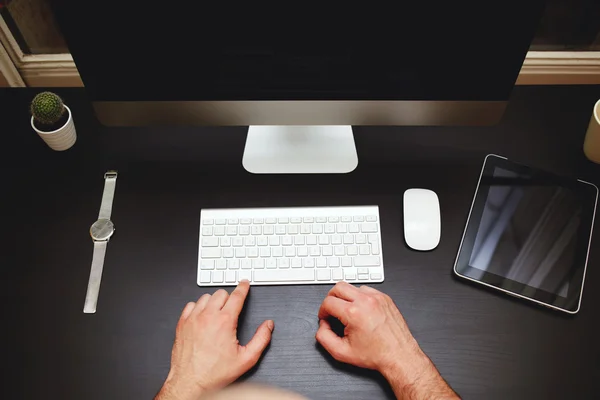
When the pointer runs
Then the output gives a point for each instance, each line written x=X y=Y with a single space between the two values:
x=110 y=174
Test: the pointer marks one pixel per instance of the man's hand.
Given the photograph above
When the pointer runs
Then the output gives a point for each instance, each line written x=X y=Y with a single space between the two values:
x=377 y=337
x=207 y=354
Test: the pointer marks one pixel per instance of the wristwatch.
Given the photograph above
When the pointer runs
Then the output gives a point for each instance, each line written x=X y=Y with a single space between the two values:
x=101 y=231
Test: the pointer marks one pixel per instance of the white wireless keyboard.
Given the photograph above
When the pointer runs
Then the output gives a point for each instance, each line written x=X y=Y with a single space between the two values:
x=289 y=246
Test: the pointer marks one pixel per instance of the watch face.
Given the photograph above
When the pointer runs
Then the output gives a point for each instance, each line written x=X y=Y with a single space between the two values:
x=102 y=229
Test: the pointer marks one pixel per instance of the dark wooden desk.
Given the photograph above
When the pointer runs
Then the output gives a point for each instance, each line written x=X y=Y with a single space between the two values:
x=485 y=344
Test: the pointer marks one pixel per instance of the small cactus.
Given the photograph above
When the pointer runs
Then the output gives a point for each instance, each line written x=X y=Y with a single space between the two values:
x=47 y=108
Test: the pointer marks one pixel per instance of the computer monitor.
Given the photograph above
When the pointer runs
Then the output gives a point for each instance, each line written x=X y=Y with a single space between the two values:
x=299 y=75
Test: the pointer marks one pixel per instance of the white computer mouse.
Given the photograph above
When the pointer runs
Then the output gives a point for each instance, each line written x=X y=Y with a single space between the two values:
x=422 y=219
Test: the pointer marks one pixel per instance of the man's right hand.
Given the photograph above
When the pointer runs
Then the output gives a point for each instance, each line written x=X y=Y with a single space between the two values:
x=377 y=337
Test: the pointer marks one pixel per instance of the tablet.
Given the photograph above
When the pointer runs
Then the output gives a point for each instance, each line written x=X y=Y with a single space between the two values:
x=528 y=234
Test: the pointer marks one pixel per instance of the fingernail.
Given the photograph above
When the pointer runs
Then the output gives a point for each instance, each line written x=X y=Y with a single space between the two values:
x=270 y=325
x=244 y=280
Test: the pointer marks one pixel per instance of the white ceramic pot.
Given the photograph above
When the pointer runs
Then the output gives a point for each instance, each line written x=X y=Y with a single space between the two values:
x=61 y=139
x=591 y=146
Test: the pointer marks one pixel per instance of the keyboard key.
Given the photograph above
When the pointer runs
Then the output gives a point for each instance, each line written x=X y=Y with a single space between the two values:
x=376 y=276
x=207 y=231
x=371 y=218
x=293 y=229
x=284 y=220
x=311 y=240
x=314 y=251
x=210 y=252
x=217 y=276
x=299 y=240
x=305 y=229
x=287 y=241
x=246 y=221
x=329 y=228
x=221 y=264
x=346 y=261
x=274 y=241
x=265 y=252
x=341 y=228
x=225 y=242
x=352 y=250
x=252 y=252
x=232 y=230
x=205 y=276
x=284 y=275
x=373 y=238
x=368 y=227
x=271 y=220
x=339 y=250
x=348 y=238
x=333 y=219
x=323 y=275
x=207 y=264
x=280 y=230
x=321 y=262
x=262 y=241
x=317 y=229
x=362 y=271
x=219 y=231
x=208 y=221
x=363 y=277
x=323 y=239
x=258 y=220
x=210 y=242
x=336 y=239
x=250 y=241
x=228 y=253
x=353 y=228
x=308 y=220
x=232 y=221
x=256 y=230
x=346 y=219
x=240 y=252
x=361 y=238
x=244 y=230
x=327 y=250
x=233 y=264
x=277 y=251
x=296 y=220
x=350 y=276
x=237 y=242
x=367 y=261
x=268 y=230
x=290 y=251
x=283 y=263
x=337 y=274
x=230 y=276
x=220 y=221
x=375 y=248
x=333 y=262
x=258 y=263
x=245 y=275
x=359 y=218
x=296 y=262
x=246 y=264
x=321 y=220
x=308 y=262
x=302 y=251
x=271 y=263
x=364 y=250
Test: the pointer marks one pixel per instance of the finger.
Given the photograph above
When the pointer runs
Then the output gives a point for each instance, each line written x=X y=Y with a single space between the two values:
x=236 y=300
x=336 y=346
x=258 y=343
x=187 y=310
x=202 y=302
x=334 y=307
x=345 y=291
x=217 y=300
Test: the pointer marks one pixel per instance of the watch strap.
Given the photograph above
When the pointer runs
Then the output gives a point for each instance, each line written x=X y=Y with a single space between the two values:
x=110 y=182
x=91 y=297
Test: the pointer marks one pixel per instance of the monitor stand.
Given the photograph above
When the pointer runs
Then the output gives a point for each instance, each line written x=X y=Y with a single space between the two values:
x=282 y=149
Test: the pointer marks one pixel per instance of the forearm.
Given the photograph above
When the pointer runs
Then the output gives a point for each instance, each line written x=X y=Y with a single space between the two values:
x=171 y=391
x=418 y=379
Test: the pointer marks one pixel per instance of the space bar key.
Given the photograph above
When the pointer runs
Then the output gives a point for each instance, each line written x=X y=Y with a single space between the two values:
x=299 y=275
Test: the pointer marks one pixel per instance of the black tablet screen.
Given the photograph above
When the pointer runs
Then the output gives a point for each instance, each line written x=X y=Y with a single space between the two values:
x=528 y=232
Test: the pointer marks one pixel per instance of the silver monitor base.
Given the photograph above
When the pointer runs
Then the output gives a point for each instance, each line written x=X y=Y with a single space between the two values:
x=327 y=149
